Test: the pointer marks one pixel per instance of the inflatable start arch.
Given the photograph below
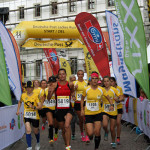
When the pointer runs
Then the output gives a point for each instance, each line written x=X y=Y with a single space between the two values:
x=52 y=30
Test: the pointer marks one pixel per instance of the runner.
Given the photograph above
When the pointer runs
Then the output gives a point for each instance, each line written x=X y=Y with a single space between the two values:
x=64 y=111
x=42 y=113
x=31 y=116
x=107 y=114
x=92 y=110
x=74 y=119
x=49 y=109
x=119 y=108
x=79 y=85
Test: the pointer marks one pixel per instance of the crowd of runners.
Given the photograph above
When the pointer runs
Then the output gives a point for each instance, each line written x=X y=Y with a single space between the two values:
x=60 y=103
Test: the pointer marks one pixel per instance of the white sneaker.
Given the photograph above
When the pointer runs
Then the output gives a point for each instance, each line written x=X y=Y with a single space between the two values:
x=29 y=148
x=37 y=146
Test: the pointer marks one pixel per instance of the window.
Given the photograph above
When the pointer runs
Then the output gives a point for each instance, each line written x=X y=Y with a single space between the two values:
x=21 y=12
x=111 y=3
x=54 y=8
x=72 y=6
x=73 y=64
x=91 y=4
x=37 y=10
x=23 y=68
x=38 y=67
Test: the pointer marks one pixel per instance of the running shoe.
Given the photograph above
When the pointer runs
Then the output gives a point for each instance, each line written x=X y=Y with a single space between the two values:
x=83 y=139
x=118 y=141
x=29 y=148
x=113 y=145
x=37 y=146
x=68 y=147
x=55 y=137
x=43 y=126
x=51 y=142
x=106 y=136
x=87 y=140
x=73 y=137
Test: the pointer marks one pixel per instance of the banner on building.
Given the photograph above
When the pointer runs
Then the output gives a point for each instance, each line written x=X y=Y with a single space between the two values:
x=5 y=96
x=64 y=64
x=47 y=69
x=11 y=126
x=11 y=62
x=90 y=65
x=135 y=55
x=52 y=58
x=53 y=44
x=124 y=78
x=92 y=36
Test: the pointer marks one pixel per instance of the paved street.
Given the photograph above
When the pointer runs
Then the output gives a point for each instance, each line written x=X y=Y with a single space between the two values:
x=127 y=142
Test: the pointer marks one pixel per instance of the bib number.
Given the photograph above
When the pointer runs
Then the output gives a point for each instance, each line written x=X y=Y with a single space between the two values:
x=30 y=114
x=79 y=95
x=92 y=106
x=50 y=103
x=63 y=102
x=107 y=107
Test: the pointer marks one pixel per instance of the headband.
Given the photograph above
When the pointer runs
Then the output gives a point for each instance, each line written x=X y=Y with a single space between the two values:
x=94 y=75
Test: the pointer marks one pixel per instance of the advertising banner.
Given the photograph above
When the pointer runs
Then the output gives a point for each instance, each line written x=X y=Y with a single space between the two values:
x=17 y=52
x=11 y=62
x=11 y=126
x=52 y=58
x=48 y=70
x=90 y=65
x=124 y=78
x=64 y=64
x=53 y=44
x=5 y=96
x=92 y=36
x=135 y=54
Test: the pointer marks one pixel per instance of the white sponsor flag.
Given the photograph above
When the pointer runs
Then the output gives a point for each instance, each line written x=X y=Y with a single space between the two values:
x=124 y=78
x=11 y=62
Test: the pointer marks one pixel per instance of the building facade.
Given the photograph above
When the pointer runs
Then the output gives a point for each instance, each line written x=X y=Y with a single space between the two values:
x=60 y=10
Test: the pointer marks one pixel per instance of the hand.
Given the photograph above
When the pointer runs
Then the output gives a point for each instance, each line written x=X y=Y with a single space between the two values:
x=116 y=99
x=31 y=106
x=73 y=98
x=82 y=113
x=111 y=108
x=17 y=113
x=76 y=86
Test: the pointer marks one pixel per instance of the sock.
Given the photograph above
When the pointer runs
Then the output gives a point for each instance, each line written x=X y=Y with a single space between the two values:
x=97 y=141
x=118 y=137
x=91 y=137
x=28 y=138
x=37 y=137
x=51 y=132
x=56 y=130
x=82 y=133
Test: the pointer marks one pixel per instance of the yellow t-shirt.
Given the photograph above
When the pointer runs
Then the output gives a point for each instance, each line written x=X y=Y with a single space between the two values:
x=40 y=92
x=93 y=101
x=34 y=100
x=79 y=90
x=51 y=104
x=112 y=92
x=119 y=105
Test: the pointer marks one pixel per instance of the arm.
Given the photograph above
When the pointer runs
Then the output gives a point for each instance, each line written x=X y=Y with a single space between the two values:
x=110 y=101
x=51 y=90
x=19 y=105
x=82 y=107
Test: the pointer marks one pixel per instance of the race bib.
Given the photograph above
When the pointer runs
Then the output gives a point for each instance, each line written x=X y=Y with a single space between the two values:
x=107 y=107
x=79 y=95
x=50 y=103
x=92 y=106
x=63 y=102
x=30 y=114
